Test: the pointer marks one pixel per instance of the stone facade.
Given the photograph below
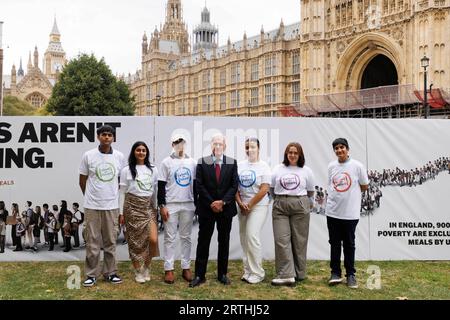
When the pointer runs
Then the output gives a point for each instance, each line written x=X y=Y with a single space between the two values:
x=35 y=86
x=334 y=48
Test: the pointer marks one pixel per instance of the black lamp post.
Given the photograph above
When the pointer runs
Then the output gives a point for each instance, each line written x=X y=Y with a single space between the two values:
x=249 y=105
x=425 y=62
x=158 y=99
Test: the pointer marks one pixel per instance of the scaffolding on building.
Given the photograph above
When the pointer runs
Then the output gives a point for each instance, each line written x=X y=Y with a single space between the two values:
x=380 y=102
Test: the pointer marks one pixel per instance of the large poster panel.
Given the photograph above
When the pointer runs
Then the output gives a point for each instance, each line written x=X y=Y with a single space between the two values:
x=404 y=215
x=39 y=162
x=408 y=166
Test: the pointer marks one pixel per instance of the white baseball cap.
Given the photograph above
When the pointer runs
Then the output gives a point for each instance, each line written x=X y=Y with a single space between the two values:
x=177 y=136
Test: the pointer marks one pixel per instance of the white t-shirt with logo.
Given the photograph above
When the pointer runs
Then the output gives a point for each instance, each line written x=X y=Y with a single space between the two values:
x=145 y=184
x=292 y=180
x=102 y=187
x=344 y=193
x=251 y=176
x=179 y=174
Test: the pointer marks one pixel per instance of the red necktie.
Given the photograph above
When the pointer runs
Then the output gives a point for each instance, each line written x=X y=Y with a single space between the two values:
x=217 y=172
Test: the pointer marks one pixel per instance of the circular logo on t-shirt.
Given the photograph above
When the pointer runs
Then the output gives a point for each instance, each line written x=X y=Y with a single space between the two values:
x=247 y=178
x=342 y=182
x=183 y=177
x=290 y=181
x=144 y=182
x=105 y=172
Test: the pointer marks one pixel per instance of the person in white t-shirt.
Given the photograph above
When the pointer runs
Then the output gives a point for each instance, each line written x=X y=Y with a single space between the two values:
x=253 y=201
x=176 y=195
x=138 y=190
x=99 y=182
x=347 y=179
x=293 y=189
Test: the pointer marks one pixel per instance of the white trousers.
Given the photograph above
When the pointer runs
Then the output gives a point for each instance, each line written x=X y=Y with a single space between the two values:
x=249 y=230
x=181 y=217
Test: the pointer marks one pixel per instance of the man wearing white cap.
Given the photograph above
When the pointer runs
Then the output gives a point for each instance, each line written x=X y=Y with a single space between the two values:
x=176 y=202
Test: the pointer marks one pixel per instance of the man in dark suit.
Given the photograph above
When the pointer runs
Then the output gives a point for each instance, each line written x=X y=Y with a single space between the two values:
x=217 y=184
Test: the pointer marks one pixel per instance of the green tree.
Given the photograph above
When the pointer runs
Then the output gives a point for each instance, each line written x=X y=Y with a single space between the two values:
x=87 y=87
x=13 y=106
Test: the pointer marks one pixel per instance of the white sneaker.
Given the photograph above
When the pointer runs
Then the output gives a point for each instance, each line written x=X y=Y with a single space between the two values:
x=253 y=279
x=146 y=274
x=139 y=277
x=283 y=282
x=245 y=277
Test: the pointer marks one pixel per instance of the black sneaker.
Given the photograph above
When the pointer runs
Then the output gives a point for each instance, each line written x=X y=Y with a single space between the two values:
x=114 y=279
x=334 y=279
x=351 y=282
x=89 y=282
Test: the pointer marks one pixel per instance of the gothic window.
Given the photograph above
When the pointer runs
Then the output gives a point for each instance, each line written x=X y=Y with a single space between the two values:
x=195 y=84
x=270 y=65
x=235 y=99
x=254 y=96
x=235 y=73
x=195 y=105
x=255 y=71
x=270 y=93
x=36 y=100
x=223 y=78
x=296 y=92
x=295 y=63
x=223 y=101
x=149 y=92
x=206 y=79
x=181 y=87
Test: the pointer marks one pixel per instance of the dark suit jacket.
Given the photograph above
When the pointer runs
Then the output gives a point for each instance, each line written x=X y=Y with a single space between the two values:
x=209 y=190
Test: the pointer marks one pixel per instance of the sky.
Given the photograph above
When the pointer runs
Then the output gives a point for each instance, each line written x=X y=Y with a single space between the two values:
x=113 y=29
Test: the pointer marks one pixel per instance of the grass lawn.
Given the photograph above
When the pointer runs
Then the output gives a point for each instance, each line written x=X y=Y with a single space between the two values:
x=399 y=280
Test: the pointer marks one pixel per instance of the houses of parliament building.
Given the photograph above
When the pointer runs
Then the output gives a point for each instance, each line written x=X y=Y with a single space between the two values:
x=335 y=57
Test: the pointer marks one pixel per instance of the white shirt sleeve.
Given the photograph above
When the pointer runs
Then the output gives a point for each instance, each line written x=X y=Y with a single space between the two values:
x=123 y=178
x=163 y=174
x=155 y=187
x=310 y=181
x=274 y=177
x=363 y=179
x=267 y=176
x=84 y=166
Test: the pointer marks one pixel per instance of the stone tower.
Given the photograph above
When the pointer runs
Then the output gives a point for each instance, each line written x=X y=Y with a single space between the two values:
x=174 y=28
x=205 y=34
x=55 y=56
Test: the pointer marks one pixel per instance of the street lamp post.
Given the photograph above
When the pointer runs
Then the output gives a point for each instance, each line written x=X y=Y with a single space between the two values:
x=249 y=104
x=158 y=99
x=425 y=62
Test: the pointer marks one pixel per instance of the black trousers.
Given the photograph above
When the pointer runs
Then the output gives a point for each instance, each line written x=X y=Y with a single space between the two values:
x=51 y=239
x=342 y=233
x=206 y=230
x=13 y=235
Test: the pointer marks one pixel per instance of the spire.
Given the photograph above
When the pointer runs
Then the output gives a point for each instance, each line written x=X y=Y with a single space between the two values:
x=20 y=71
x=55 y=30
x=205 y=15
x=144 y=44
x=30 y=65
x=13 y=78
x=36 y=58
